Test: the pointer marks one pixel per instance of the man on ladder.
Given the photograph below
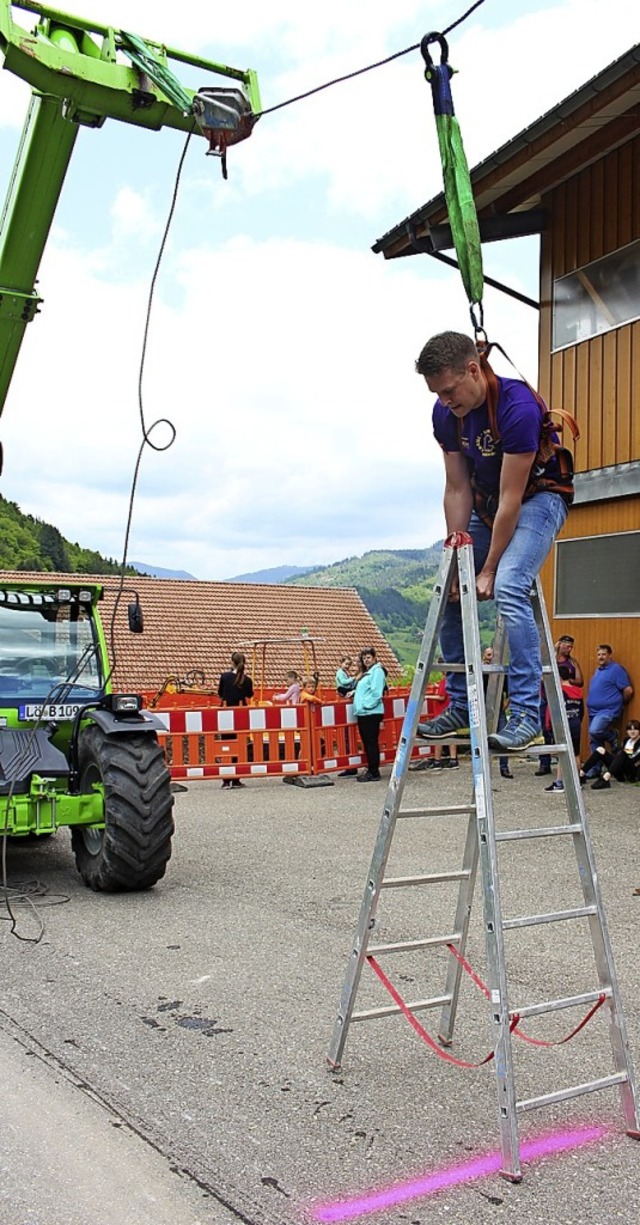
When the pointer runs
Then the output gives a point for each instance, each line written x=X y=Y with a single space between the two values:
x=505 y=486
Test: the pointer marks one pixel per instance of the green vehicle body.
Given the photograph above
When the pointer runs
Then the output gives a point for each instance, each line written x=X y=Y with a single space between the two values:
x=73 y=753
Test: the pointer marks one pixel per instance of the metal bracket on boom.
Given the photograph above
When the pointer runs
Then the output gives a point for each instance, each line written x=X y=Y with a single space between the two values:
x=225 y=117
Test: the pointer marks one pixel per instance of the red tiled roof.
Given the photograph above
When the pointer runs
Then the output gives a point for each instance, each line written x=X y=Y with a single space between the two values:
x=196 y=625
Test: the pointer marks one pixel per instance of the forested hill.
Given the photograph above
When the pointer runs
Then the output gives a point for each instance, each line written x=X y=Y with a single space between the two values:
x=396 y=585
x=30 y=544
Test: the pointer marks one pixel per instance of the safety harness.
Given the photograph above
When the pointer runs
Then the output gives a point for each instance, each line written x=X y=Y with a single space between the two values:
x=485 y=503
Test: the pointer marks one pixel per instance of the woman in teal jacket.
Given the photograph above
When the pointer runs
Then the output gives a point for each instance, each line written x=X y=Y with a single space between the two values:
x=368 y=709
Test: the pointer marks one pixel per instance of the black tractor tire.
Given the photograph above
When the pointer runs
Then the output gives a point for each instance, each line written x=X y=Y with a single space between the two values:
x=133 y=849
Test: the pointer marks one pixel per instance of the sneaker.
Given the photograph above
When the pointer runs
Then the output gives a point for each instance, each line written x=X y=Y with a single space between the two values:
x=438 y=764
x=347 y=773
x=520 y=732
x=601 y=784
x=505 y=772
x=452 y=722
x=368 y=777
x=452 y=763
x=556 y=786
x=541 y=771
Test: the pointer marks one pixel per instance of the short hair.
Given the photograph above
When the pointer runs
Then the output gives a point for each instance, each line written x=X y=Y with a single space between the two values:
x=446 y=351
x=604 y=646
x=565 y=672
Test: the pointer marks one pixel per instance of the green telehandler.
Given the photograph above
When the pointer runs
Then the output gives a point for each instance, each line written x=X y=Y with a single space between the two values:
x=73 y=752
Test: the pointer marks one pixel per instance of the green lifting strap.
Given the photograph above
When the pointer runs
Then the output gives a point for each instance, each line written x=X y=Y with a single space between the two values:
x=143 y=57
x=463 y=217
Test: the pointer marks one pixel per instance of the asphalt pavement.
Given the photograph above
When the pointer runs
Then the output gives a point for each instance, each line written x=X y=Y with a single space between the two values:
x=163 y=1055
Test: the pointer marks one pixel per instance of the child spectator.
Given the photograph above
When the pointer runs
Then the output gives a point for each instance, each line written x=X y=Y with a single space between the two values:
x=345 y=682
x=292 y=695
x=623 y=765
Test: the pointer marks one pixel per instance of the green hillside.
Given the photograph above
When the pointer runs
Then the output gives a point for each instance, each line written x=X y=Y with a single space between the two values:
x=30 y=544
x=396 y=585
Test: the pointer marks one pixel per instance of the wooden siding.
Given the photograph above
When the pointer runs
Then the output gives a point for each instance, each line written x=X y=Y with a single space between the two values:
x=598 y=381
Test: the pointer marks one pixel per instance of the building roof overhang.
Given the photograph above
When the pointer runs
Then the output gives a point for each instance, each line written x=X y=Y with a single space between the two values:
x=511 y=183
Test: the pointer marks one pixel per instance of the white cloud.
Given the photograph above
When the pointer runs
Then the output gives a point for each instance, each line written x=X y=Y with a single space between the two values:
x=280 y=346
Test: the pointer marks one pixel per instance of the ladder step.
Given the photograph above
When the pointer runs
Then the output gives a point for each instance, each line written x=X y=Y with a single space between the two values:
x=433 y=878
x=371 y=1014
x=558 y=916
x=404 y=946
x=563 y=1095
x=543 y=831
x=450 y=810
x=569 y=1001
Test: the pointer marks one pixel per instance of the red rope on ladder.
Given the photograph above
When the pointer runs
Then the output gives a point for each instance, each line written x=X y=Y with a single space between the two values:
x=515 y=1028
x=421 y=1031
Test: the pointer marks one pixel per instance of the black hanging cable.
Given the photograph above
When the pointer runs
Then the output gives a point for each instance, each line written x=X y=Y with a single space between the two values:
x=146 y=430
x=349 y=76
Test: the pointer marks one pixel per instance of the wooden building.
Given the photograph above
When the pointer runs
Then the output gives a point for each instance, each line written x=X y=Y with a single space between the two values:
x=573 y=177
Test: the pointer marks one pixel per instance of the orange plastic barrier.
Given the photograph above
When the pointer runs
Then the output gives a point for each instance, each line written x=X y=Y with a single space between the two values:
x=336 y=742
x=239 y=742
x=210 y=741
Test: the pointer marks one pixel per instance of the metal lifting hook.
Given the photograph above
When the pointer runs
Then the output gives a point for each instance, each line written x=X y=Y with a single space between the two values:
x=444 y=49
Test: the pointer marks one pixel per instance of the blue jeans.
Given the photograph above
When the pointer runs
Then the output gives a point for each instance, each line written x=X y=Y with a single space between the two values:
x=602 y=730
x=540 y=521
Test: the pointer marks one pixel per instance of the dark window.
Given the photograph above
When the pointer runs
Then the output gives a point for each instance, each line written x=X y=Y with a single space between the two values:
x=598 y=576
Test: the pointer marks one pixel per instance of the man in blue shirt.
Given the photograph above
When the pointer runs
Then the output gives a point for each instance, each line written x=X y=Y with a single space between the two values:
x=610 y=689
x=490 y=493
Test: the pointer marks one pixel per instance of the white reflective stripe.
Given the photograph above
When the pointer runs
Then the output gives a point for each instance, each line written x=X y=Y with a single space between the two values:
x=164 y=717
x=329 y=762
x=257 y=718
x=225 y=720
x=259 y=769
x=195 y=772
x=290 y=767
x=289 y=717
x=227 y=771
x=193 y=720
x=328 y=716
x=399 y=708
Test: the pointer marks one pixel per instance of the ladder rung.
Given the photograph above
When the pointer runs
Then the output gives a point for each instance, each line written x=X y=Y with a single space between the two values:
x=569 y=1001
x=591 y=1086
x=539 y=750
x=557 y=916
x=433 y=878
x=392 y=1010
x=544 y=831
x=403 y=946
x=451 y=810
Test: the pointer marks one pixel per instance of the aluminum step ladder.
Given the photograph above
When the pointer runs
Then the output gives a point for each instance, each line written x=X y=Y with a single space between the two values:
x=481 y=851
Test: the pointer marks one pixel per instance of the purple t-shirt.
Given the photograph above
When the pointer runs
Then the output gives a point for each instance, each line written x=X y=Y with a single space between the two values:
x=518 y=418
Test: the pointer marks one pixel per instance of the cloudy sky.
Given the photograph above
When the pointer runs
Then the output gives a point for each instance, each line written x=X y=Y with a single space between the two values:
x=280 y=347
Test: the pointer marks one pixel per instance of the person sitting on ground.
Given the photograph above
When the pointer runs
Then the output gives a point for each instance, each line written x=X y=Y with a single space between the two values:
x=292 y=695
x=345 y=680
x=574 y=706
x=369 y=709
x=624 y=765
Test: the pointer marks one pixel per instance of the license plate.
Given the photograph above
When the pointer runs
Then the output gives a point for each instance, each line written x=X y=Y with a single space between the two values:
x=55 y=710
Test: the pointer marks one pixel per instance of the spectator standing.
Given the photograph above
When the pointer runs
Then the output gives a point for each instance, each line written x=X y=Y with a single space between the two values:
x=610 y=689
x=574 y=706
x=487 y=658
x=235 y=688
x=623 y=765
x=368 y=709
x=563 y=649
